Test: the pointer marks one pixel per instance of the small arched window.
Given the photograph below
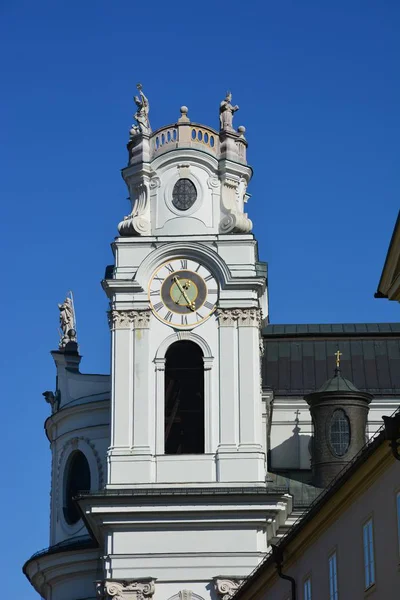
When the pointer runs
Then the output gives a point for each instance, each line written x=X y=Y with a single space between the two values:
x=340 y=432
x=76 y=479
x=184 y=399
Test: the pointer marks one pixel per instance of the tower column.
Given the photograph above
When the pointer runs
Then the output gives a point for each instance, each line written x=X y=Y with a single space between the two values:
x=131 y=453
x=143 y=401
x=121 y=383
x=228 y=377
x=240 y=456
x=249 y=379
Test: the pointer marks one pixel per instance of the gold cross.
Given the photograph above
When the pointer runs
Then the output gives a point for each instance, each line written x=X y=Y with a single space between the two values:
x=338 y=354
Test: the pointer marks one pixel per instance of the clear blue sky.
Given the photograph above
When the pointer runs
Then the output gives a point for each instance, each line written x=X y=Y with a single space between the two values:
x=319 y=93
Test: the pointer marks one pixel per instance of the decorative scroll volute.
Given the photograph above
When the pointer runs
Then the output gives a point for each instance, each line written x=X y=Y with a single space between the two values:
x=233 y=194
x=138 y=222
x=125 y=590
x=226 y=588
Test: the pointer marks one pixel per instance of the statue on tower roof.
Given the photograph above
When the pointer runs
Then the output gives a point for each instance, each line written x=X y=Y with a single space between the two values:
x=142 y=114
x=67 y=321
x=226 y=110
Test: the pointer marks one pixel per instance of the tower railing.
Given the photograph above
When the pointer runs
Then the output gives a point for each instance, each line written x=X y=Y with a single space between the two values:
x=184 y=135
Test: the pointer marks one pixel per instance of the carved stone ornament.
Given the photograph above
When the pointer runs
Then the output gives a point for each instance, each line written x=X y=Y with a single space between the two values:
x=155 y=183
x=67 y=321
x=248 y=317
x=125 y=590
x=234 y=219
x=262 y=346
x=213 y=183
x=226 y=588
x=53 y=398
x=138 y=221
x=186 y=595
x=129 y=319
x=141 y=115
x=226 y=112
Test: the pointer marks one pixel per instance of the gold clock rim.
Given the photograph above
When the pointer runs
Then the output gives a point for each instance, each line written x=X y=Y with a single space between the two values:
x=180 y=326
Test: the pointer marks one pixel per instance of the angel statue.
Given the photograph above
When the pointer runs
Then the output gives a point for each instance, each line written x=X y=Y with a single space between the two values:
x=142 y=114
x=226 y=111
x=67 y=322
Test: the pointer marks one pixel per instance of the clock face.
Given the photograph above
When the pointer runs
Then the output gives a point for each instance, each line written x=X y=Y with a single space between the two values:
x=183 y=293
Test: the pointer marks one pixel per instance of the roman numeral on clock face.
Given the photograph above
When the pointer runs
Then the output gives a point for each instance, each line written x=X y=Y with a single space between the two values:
x=184 y=263
x=154 y=292
x=208 y=278
x=184 y=320
x=170 y=268
x=158 y=306
x=208 y=305
x=199 y=316
x=168 y=316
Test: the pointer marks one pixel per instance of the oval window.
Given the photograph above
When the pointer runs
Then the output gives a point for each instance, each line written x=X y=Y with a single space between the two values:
x=184 y=194
x=340 y=432
x=76 y=479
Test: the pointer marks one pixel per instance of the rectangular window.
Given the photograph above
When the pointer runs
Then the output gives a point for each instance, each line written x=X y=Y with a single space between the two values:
x=369 y=560
x=333 y=586
x=307 y=589
x=398 y=518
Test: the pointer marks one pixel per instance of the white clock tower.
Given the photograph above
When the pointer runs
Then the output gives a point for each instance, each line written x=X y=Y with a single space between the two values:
x=185 y=511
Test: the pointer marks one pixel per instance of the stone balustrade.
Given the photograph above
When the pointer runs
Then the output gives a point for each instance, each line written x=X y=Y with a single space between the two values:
x=183 y=135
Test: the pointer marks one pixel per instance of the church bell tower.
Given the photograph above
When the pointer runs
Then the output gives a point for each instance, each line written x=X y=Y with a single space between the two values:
x=187 y=297
x=185 y=511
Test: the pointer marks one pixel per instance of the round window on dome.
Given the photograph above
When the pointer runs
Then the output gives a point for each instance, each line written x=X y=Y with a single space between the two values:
x=76 y=479
x=340 y=432
x=184 y=194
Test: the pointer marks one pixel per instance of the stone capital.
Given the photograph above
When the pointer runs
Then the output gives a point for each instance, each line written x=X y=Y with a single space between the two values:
x=129 y=319
x=243 y=317
x=226 y=588
x=250 y=317
x=125 y=590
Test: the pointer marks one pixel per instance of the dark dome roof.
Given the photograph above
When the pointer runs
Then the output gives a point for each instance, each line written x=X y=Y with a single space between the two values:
x=337 y=383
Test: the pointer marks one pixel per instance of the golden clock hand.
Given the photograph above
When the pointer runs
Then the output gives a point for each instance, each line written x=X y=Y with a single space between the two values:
x=184 y=294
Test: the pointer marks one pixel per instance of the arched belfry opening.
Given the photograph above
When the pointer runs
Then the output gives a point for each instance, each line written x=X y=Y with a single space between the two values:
x=184 y=399
x=76 y=479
